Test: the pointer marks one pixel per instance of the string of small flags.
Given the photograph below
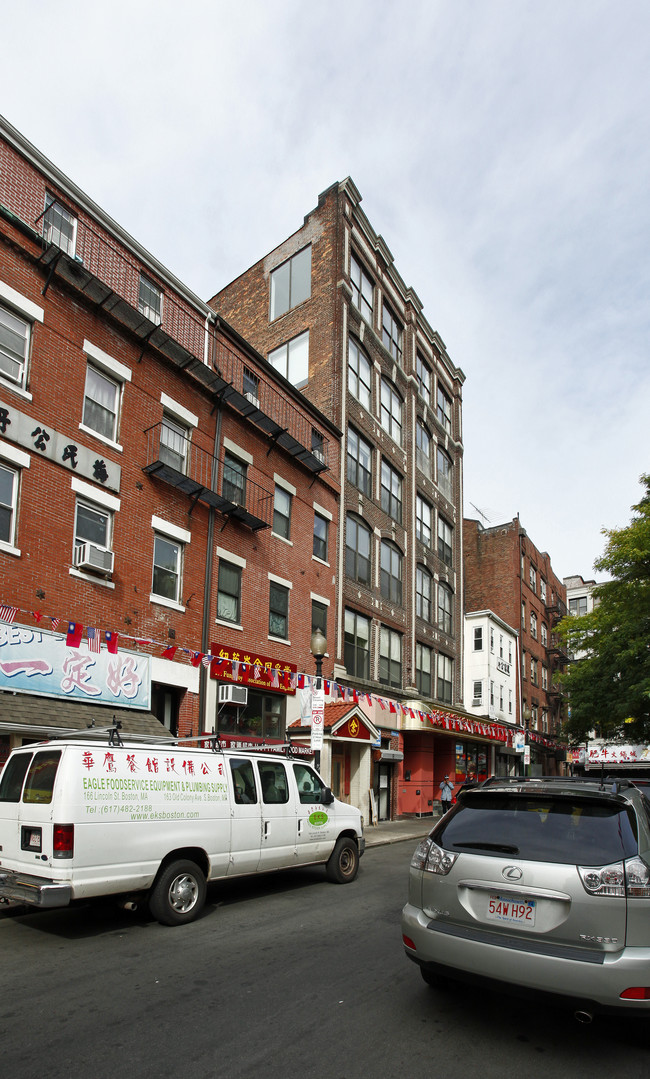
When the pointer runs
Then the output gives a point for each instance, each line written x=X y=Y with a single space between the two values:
x=292 y=680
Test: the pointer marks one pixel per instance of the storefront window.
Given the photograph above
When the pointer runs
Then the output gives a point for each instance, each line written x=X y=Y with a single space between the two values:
x=470 y=758
x=263 y=717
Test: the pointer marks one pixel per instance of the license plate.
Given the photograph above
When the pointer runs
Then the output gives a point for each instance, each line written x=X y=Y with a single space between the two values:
x=513 y=911
x=35 y=840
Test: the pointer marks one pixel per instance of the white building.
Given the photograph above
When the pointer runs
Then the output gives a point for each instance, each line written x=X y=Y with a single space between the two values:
x=491 y=667
x=580 y=599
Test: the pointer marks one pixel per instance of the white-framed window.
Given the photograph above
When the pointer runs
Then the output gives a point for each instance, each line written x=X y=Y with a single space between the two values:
x=542 y=589
x=501 y=698
x=492 y=640
x=510 y=702
x=8 y=504
x=233 y=485
x=445 y=608
x=478 y=638
x=174 y=444
x=229 y=592
x=319 y=608
x=93 y=523
x=443 y=410
x=501 y=646
x=445 y=474
x=445 y=678
x=391 y=491
x=423 y=668
x=169 y=543
x=251 y=386
x=291 y=283
x=423 y=591
x=445 y=538
x=423 y=520
x=14 y=346
x=545 y=678
x=423 y=378
x=359 y=462
x=509 y=651
x=492 y=694
x=101 y=403
x=533 y=625
x=150 y=300
x=321 y=530
x=390 y=415
x=391 y=332
x=278 y=610
x=282 y=511
x=292 y=359
x=578 y=606
x=93 y=531
x=532 y=578
x=358 y=373
x=423 y=448
x=59 y=225
x=362 y=290
x=544 y=634
x=477 y=694
x=523 y=614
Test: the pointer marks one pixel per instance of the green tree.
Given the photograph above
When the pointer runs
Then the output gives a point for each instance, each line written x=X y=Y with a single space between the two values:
x=609 y=689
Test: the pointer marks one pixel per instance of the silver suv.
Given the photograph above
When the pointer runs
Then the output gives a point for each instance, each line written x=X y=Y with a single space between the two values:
x=538 y=884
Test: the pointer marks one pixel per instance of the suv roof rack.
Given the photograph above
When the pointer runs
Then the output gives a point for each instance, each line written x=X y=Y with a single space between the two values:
x=614 y=782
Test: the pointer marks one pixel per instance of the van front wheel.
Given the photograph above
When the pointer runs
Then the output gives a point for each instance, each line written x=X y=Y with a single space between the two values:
x=343 y=863
x=178 y=894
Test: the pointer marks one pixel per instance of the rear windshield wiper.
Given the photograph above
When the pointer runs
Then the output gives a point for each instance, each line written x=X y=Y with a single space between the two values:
x=503 y=848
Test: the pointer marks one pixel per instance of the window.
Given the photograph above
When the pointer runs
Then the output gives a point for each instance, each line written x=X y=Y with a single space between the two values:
x=523 y=615
x=545 y=720
x=278 y=610
x=423 y=449
x=14 y=346
x=273 y=780
x=359 y=462
x=445 y=678
x=443 y=410
x=318 y=445
x=445 y=608
x=291 y=283
x=357 y=550
x=542 y=589
x=391 y=492
x=390 y=576
x=477 y=694
x=492 y=694
x=544 y=634
x=264 y=716
x=390 y=657
x=391 y=333
x=362 y=290
x=321 y=525
x=101 y=403
x=233 y=486
x=357 y=644
x=358 y=374
x=391 y=411
x=166 y=579
x=523 y=664
x=545 y=678
x=8 y=503
x=59 y=226
x=310 y=786
x=578 y=606
x=150 y=300
x=445 y=474
x=229 y=592
x=492 y=640
x=533 y=671
x=423 y=668
x=444 y=541
x=173 y=444
x=92 y=525
x=501 y=646
x=319 y=617
x=423 y=377
x=292 y=359
x=243 y=781
x=509 y=651
x=478 y=638
x=501 y=698
x=532 y=578
x=282 y=512
x=423 y=521
x=251 y=386
x=510 y=702
x=423 y=580
x=533 y=625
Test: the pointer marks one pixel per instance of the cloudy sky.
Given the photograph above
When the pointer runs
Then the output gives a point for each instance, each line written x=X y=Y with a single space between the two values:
x=502 y=148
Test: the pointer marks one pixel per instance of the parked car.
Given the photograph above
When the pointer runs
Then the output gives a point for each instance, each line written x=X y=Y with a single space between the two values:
x=539 y=885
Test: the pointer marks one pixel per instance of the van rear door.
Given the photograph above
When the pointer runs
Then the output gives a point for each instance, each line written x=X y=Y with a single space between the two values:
x=27 y=809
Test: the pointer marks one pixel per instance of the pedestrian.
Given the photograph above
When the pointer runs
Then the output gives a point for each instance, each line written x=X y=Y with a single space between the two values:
x=446 y=792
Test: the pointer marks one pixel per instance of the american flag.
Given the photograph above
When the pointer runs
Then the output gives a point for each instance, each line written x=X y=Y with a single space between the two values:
x=94 y=644
x=55 y=623
x=8 y=614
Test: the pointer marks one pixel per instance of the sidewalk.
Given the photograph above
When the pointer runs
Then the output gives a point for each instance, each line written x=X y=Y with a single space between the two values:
x=398 y=831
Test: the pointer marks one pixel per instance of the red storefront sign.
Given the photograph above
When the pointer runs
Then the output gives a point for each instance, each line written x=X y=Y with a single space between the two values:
x=353 y=728
x=252 y=669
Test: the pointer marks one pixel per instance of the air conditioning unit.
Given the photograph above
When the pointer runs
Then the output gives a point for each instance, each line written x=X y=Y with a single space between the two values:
x=229 y=694
x=477 y=702
x=88 y=556
x=253 y=399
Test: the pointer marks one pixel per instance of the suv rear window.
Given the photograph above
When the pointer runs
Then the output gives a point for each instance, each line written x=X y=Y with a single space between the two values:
x=577 y=831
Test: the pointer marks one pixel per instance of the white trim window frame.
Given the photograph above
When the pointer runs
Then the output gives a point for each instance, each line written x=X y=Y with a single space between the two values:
x=423 y=517
x=17 y=318
x=9 y=480
x=363 y=290
x=279 y=592
x=390 y=412
x=282 y=507
x=169 y=546
x=150 y=300
x=359 y=374
x=291 y=359
x=59 y=225
x=103 y=395
x=229 y=592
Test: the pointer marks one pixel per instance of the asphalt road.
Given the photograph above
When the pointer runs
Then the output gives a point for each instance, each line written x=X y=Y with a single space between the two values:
x=285 y=976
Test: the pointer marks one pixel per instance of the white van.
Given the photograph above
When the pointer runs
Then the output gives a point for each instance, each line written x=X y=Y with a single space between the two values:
x=81 y=819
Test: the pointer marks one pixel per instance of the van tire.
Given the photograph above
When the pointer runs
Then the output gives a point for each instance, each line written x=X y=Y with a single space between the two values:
x=178 y=894
x=343 y=864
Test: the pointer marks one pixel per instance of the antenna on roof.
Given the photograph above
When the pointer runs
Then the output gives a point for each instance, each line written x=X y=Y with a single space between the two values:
x=480 y=512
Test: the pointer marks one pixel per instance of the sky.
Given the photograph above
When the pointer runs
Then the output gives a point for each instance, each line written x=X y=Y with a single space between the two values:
x=502 y=150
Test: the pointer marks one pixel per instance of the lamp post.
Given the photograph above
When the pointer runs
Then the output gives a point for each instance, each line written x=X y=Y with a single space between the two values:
x=318 y=647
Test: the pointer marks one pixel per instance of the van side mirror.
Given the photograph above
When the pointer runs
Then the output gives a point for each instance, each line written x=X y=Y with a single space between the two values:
x=328 y=797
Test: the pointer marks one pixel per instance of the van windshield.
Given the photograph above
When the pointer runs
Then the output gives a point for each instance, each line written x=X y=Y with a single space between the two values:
x=11 y=783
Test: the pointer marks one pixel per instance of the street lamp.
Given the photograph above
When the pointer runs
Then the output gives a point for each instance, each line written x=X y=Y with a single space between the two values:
x=318 y=647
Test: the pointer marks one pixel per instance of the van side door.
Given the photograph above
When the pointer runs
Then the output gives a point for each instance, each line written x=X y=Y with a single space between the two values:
x=279 y=820
x=246 y=817
x=317 y=831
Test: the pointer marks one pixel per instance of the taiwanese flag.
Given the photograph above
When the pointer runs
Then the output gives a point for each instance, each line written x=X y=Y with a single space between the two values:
x=74 y=634
x=111 y=640
x=196 y=657
x=170 y=652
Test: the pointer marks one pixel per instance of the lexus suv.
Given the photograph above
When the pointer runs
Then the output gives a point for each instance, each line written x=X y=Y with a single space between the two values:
x=538 y=885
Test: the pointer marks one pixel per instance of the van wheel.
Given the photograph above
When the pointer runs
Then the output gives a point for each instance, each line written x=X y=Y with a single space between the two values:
x=178 y=894
x=343 y=863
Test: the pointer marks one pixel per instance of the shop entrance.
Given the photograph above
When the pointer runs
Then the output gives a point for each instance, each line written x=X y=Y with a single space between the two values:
x=383 y=790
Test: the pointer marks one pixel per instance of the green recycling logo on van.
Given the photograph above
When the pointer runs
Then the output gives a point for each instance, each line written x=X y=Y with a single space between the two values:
x=318 y=818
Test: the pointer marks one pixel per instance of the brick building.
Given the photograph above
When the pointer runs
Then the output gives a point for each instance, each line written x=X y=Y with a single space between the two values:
x=331 y=312
x=161 y=486
x=506 y=573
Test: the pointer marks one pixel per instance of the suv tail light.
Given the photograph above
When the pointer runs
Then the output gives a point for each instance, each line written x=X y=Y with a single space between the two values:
x=630 y=878
x=63 y=841
x=432 y=858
